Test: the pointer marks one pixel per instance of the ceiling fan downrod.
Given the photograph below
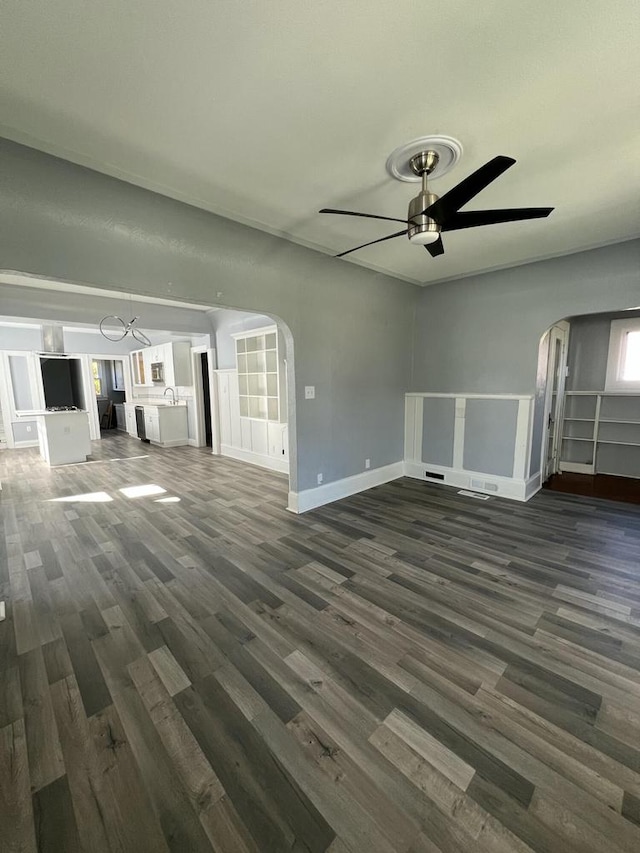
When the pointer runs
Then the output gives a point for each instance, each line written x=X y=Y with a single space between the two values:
x=423 y=229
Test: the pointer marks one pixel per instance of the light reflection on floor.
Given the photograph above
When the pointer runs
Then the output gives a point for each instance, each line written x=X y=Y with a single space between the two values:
x=142 y=491
x=89 y=497
x=147 y=490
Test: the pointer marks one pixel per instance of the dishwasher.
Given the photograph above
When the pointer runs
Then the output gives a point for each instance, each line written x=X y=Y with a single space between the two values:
x=142 y=433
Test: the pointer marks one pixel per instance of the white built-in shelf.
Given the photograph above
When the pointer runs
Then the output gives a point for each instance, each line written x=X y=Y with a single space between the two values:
x=601 y=394
x=615 y=416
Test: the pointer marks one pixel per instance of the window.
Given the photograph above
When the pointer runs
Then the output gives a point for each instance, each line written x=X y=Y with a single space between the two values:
x=97 y=377
x=623 y=364
x=257 y=360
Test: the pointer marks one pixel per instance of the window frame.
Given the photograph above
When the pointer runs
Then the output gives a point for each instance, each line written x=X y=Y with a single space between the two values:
x=97 y=379
x=616 y=356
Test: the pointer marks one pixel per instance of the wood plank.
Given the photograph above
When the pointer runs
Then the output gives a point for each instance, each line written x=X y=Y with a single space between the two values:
x=45 y=755
x=404 y=670
x=54 y=818
x=17 y=826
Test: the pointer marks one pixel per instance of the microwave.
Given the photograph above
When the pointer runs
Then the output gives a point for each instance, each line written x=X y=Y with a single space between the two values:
x=157 y=371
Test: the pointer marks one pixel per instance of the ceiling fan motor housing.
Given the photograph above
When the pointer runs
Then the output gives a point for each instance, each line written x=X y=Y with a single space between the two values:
x=422 y=229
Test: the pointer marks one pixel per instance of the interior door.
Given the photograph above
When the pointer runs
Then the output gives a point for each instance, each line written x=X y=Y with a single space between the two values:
x=554 y=402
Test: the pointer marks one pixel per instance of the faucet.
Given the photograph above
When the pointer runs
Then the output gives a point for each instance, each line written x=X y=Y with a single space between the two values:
x=173 y=395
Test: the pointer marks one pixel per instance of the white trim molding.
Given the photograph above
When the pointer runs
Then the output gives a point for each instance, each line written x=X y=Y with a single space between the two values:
x=329 y=492
x=273 y=463
x=516 y=487
x=252 y=333
x=475 y=481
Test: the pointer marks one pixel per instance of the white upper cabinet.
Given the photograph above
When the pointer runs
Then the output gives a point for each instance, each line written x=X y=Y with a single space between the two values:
x=176 y=361
x=177 y=364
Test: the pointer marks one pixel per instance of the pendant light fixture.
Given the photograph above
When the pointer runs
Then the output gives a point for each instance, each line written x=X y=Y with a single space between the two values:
x=122 y=329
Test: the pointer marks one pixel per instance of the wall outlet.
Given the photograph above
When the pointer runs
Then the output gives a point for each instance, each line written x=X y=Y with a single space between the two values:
x=319 y=479
x=367 y=463
x=28 y=428
x=309 y=392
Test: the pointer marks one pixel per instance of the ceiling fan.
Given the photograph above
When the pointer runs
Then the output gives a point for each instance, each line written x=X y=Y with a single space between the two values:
x=429 y=215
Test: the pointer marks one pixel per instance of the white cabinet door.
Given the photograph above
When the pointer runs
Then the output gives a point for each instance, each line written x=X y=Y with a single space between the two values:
x=152 y=425
x=180 y=358
x=174 y=427
x=147 y=360
x=167 y=360
x=277 y=440
x=130 y=417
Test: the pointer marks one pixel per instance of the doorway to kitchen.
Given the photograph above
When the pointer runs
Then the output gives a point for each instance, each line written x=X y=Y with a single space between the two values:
x=109 y=387
x=206 y=399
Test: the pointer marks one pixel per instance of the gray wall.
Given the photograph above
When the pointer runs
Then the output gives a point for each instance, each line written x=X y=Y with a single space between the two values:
x=349 y=325
x=589 y=350
x=30 y=340
x=85 y=309
x=227 y=323
x=481 y=334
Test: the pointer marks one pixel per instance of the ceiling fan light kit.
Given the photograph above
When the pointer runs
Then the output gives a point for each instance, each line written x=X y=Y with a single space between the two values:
x=429 y=215
x=422 y=229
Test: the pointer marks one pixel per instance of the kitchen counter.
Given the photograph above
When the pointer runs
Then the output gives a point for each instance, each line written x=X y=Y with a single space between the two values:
x=166 y=424
x=63 y=437
x=157 y=403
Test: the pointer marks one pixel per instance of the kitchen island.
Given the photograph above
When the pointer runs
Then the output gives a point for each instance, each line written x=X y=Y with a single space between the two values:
x=63 y=436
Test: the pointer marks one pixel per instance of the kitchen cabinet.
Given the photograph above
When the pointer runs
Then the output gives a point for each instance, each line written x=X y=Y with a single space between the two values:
x=167 y=425
x=130 y=419
x=152 y=423
x=177 y=364
x=164 y=425
x=138 y=371
x=175 y=358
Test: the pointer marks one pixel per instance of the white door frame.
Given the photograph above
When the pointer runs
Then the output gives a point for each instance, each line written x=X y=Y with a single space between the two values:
x=90 y=391
x=558 y=332
x=200 y=438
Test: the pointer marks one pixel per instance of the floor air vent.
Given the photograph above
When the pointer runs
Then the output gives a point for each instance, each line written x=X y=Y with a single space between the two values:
x=474 y=495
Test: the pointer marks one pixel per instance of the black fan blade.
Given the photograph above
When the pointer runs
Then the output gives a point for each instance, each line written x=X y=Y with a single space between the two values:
x=476 y=218
x=365 y=215
x=381 y=240
x=451 y=202
x=436 y=248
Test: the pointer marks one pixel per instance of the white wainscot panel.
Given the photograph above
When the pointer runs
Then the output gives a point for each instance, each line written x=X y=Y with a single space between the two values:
x=259 y=439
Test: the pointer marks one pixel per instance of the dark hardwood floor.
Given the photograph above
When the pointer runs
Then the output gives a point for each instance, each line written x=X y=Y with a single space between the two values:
x=406 y=670
x=625 y=489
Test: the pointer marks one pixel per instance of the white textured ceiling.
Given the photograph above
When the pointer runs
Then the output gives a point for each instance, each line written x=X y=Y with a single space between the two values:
x=267 y=111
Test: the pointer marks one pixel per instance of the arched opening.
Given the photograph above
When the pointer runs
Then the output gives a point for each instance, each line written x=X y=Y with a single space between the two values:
x=586 y=428
x=181 y=366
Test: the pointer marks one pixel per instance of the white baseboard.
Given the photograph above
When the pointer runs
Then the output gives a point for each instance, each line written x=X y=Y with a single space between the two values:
x=533 y=485
x=329 y=492
x=576 y=468
x=273 y=463
x=487 y=484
